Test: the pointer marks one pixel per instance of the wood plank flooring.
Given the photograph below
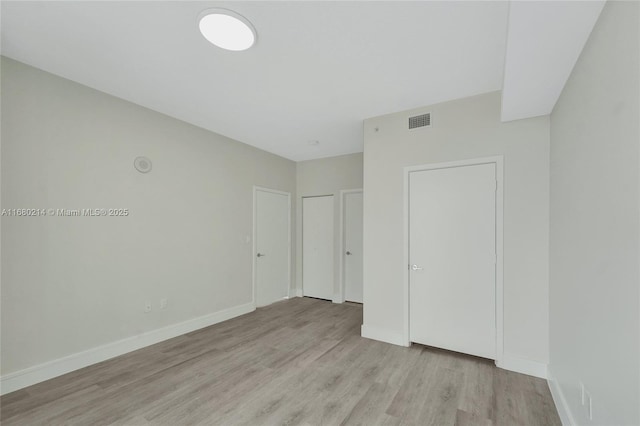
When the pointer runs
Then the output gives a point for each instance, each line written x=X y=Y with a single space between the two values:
x=297 y=362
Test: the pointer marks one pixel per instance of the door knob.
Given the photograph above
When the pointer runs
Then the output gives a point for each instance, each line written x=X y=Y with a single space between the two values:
x=348 y=253
x=261 y=254
x=416 y=268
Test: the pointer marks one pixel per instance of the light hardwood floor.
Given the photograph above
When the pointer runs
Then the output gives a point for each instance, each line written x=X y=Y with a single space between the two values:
x=300 y=361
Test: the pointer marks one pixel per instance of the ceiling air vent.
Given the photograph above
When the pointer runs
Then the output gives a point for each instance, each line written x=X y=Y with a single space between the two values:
x=423 y=120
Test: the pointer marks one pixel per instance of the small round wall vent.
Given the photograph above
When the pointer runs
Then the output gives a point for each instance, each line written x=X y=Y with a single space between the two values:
x=142 y=164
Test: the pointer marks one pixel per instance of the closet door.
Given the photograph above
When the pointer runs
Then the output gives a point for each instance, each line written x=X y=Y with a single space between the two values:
x=353 y=247
x=272 y=246
x=452 y=252
x=317 y=247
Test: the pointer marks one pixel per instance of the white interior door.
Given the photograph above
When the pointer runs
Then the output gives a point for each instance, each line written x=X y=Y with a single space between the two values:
x=317 y=247
x=452 y=252
x=353 y=246
x=272 y=246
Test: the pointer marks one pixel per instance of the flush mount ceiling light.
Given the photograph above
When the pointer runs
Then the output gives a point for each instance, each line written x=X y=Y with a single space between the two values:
x=227 y=29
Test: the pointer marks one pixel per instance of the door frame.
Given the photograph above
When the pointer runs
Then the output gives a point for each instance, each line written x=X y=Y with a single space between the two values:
x=254 y=274
x=499 y=163
x=339 y=297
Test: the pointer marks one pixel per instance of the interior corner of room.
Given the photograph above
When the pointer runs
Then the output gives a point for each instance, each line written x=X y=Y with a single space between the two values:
x=488 y=219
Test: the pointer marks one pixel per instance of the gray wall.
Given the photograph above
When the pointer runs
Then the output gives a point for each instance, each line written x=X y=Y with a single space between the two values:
x=462 y=129
x=326 y=176
x=74 y=283
x=594 y=231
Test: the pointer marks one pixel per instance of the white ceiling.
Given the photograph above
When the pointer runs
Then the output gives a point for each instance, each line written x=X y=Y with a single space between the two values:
x=318 y=68
x=545 y=40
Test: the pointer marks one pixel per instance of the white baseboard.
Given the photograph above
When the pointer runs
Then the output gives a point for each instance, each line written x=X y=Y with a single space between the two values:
x=524 y=366
x=383 y=335
x=48 y=370
x=566 y=417
x=337 y=298
x=295 y=292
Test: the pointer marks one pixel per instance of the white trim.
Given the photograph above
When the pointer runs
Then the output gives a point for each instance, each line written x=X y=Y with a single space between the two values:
x=383 y=335
x=295 y=292
x=57 y=367
x=339 y=298
x=524 y=366
x=405 y=257
x=566 y=417
x=254 y=273
x=499 y=162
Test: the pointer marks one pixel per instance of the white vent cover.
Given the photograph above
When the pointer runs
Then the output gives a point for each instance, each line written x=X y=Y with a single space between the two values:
x=142 y=164
x=423 y=120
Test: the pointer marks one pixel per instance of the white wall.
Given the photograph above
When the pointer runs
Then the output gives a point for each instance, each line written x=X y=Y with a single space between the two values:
x=462 y=129
x=73 y=283
x=594 y=230
x=326 y=176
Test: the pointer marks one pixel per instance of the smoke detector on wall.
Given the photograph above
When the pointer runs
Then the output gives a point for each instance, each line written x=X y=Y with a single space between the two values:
x=142 y=164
